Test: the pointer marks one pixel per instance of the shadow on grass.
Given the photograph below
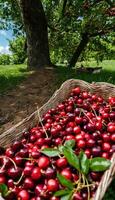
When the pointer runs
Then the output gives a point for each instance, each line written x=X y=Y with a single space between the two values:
x=104 y=76
x=10 y=82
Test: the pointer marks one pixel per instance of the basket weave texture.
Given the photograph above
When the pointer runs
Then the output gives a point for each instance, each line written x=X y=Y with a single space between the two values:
x=99 y=88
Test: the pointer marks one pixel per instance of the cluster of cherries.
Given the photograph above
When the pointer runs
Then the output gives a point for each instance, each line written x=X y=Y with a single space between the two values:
x=84 y=117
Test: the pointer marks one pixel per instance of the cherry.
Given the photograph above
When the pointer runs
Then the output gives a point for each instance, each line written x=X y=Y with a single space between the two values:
x=28 y=183
x=105 y=155
x=95 y=176
x=111 y=128
x=43 y=162
x=88 y=152
x=23 y=195
x=14 y=173
x=66 y=173
x=106 y=146
x=76 y=90
x=28 y=170
x=78 y=120
x=90 y=143
x=18 y=160
x=81 y=144
x=36 y=173
x=77 y=196
x=77 y=129
x=10 y=183
x=2 y=179
x=112 y=137
x=50 y=173
x=106 y=137
x=96 y=151
x=16 y=145
x=9 y=152
x=54 y=198
x=52 y=185
x=61 y=162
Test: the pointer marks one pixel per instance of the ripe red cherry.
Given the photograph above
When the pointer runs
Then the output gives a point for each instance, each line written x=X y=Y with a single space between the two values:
x=52 y=185
x=88 y=152
x=77 y=196
x=106 y=146
x=76 y=90
x=2 y=179
x=14 y=173
x=90 y=143
x=105 y=155
x=36 y=173
x=43 y=162
x=77 y=129
x=54 y=198
x=23 y=195
x=66 y=173
x=28 y=183
x=112 y=137
x=81 y=143
x=78 y=120
x=50 y=173
x=28 y=170
x=95 y=176
x=111 y=128
x=61 y=162
x=106 y=137
x=9 y=152
x=96 y=151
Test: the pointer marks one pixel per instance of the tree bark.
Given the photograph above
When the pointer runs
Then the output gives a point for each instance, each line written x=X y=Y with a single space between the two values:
x=36 y=31
x=82 y=45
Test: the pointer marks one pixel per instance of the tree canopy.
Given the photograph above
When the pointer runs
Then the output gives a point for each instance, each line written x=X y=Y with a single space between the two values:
x=76 y=29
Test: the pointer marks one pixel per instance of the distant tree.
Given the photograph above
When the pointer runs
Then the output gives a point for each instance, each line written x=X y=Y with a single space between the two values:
x=17 y=47
x=4 y=59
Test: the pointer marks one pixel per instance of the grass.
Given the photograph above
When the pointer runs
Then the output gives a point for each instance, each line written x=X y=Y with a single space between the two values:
x=106 y=75
x=10 y=76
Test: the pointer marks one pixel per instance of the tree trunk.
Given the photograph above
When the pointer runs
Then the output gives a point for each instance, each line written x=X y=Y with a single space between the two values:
x=83 y=43
x=36 y=31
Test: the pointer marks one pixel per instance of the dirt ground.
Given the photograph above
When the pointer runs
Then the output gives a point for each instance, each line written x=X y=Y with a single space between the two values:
x=21 y=101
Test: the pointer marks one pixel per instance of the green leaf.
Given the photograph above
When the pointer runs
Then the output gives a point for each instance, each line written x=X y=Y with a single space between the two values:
x=84 y=162
x=60 y=148
x=71 y=157
x=3 y=189
x=67 y=196
x=99 y=164
x=51 y=152
x=69 y=143
x=65 y=182
x=61 y=192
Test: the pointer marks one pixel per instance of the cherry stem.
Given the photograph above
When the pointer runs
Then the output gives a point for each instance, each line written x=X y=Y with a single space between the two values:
x=41 y=122
x=87 y=185
x=94 y=111
x=16 y=183
x=86 y=116
x=10 y=160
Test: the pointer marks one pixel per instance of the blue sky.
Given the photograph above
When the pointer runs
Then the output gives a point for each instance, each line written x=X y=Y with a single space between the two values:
x=4 y=43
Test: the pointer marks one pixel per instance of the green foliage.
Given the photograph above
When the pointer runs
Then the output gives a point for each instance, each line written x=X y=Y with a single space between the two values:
x=17 y=48
x=67 y=21
x=4 y=59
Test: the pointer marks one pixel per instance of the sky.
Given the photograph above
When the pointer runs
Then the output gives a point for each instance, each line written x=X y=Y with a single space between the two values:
x=4 y=43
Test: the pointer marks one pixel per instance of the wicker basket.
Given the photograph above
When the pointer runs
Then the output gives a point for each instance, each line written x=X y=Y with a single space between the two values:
x=100 y=88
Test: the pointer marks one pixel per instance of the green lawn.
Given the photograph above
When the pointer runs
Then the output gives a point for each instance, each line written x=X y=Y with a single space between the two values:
x=106 y=75
x=11 y=75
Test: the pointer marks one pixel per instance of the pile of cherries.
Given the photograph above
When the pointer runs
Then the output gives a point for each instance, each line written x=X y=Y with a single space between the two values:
x=84 y=117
